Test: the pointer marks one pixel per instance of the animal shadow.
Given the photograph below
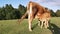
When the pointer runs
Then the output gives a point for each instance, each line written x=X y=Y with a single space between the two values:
x=34 y=26
x=54 y=29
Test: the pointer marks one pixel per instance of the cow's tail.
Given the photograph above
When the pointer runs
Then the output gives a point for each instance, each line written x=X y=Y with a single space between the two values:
x=19 y=20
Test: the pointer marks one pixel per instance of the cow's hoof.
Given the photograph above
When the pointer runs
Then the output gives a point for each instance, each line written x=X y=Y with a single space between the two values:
x=30 y=30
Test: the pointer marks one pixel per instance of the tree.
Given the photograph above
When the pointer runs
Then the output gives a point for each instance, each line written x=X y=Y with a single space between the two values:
x=22 y=9
x=52 y=13
x=15 y=14
x=8 y=10
x=2 y=13
x=58 y=13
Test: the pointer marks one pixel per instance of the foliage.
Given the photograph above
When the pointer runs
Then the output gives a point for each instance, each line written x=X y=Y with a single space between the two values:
x=22 y=9
x=52 y=13
x=9 y=12
x=58 y=13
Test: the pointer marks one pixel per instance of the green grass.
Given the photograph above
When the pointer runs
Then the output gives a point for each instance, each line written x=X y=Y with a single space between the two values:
x=13 y=27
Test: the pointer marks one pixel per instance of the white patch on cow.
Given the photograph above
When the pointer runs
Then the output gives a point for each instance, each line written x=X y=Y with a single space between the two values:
x=30 y=8
x=30 y=11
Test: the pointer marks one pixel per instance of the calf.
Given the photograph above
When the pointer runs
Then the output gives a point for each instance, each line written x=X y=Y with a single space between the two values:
x=44 y=18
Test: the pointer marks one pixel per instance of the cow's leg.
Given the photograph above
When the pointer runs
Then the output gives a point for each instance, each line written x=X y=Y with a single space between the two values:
x=30 y=18
x=45 y=24
x=38 y=22
x=42 y=24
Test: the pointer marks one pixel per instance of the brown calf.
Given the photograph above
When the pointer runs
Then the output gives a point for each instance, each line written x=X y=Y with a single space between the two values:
x=44 y=18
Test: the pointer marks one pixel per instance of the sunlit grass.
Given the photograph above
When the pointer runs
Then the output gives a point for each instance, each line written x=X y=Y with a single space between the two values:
x=13 y=27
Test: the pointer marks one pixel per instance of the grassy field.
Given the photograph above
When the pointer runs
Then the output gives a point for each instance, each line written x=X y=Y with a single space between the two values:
x=13 y=27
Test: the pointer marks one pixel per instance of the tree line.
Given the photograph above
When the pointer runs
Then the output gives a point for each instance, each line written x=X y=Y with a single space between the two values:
x=9 y=12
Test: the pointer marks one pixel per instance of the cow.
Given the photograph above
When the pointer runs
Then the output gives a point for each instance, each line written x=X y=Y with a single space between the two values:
x=33 y=10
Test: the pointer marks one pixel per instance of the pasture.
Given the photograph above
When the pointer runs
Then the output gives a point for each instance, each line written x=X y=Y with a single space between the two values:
x=13 y=27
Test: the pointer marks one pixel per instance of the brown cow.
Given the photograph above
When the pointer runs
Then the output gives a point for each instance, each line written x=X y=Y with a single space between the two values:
x=33 y=9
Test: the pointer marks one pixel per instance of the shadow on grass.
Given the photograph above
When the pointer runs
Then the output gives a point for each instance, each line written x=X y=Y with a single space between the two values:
x=35 y=25
x=54 y=29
